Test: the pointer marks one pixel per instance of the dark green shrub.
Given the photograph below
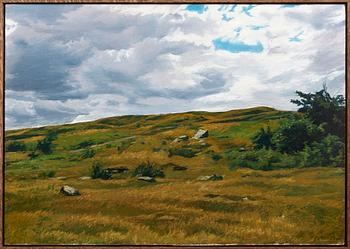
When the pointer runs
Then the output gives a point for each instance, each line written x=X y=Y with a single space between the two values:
x=216 y=157
x=45 y=145
x=263 y=139
x=97 y=171
x=87 y=153
x=184 y=152
x=148 y=169
x=322 y=108
x=156 y=149
x=15 y=146
x=32 y=155
x=82 y=145
x=330 y=151
x=47 y=174
x=263 y=160
x=294 y=134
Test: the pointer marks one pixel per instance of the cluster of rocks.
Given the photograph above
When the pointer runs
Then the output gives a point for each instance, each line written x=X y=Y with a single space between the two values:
x=201 y=133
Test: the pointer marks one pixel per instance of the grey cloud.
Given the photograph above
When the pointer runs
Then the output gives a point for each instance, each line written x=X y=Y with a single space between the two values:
x=42 y=12
x=69 y=63
x=318 y=19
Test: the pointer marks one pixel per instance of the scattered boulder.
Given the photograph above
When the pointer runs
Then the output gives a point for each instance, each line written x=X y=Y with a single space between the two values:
x=118 y=170
x=146 y=179
x=245 y=198
x=211 y=178
x=180 y=138
x=242 y=149
x=69 y=191
x=85 y=178
x=201 y=134
x=178 y=168
x=61 y=178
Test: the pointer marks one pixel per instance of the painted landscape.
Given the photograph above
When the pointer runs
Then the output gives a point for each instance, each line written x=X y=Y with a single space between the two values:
x=190 y=178
x=193 y=124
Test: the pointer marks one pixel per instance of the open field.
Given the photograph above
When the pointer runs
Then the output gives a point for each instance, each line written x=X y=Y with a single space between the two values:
x=286 y=206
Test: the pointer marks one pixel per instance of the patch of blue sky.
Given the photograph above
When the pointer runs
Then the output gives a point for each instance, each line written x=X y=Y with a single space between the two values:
x=226 y=18
x=288 y=5
x=257 y=27
x=296 y=38
x=227 y=7
x=237 y=47
x=247 y=9
x=199 y=8
x=237 y=31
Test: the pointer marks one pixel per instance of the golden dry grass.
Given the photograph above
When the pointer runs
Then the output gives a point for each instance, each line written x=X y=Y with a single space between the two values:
x=290 y=206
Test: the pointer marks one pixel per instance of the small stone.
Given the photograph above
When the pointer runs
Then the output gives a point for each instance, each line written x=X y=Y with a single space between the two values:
x=242 y=149
x=146 y=179
x=85 y=178
x=69 y=191
x=210 y=178
x=180 y=138
x=178 y=167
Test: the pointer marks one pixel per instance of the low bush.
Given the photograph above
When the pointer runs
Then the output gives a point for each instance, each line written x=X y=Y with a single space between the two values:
x=184 y=152
x=45 y=145
x=216 y=157
x=294 y=134
x=15 y=146
x=263 y=139
x=156 y=149
x=148 y=169
x=87 y=153
x=47 y=174
x=262 y=160
x=97 y=171
x=82 y=145
x=330 y=151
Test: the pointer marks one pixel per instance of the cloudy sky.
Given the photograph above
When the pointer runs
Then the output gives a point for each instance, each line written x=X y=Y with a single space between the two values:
x=73 y=63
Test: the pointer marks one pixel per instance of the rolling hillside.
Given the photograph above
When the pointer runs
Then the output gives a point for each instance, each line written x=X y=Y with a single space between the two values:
x=247 y=206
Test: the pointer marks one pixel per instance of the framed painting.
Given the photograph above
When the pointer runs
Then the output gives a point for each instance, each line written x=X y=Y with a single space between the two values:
x=174 y=124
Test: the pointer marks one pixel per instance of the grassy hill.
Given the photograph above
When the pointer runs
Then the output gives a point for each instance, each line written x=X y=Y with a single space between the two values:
x=247 y=206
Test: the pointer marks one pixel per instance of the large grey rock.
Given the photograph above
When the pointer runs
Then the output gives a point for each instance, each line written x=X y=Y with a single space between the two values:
x=69 y=191
x=210 y=178
x=146 y=179
x=201 y=134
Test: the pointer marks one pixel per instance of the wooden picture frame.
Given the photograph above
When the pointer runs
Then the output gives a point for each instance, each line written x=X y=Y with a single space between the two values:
x=345 y=3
